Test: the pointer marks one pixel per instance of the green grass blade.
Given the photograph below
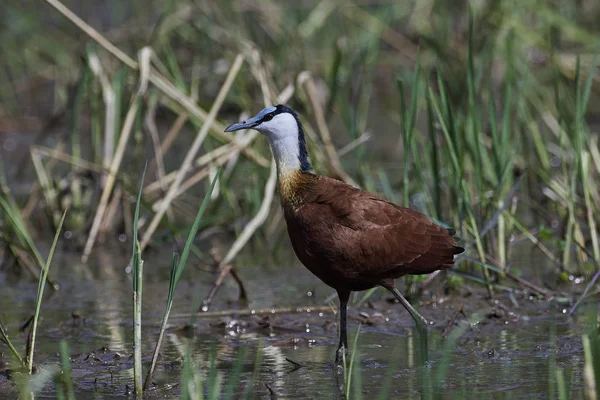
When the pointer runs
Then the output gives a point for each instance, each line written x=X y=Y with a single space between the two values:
x=188 y=243
x=66 y=370
x=40 y=294
x=177 y=268
x=14 y=216
x=444 y=362
x=163 y=325
x=137 y=266
x=232 y=381
x=4 y=339
x=352 y=360
x=434 y=158
x=136 y=217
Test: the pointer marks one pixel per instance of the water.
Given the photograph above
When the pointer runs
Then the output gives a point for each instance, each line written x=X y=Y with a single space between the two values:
x=508 y=350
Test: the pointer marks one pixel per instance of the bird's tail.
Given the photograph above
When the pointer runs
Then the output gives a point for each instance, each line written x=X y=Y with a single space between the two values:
x=457 y=249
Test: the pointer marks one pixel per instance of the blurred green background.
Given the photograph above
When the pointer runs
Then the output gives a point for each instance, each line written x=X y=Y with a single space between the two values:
x=482 y=114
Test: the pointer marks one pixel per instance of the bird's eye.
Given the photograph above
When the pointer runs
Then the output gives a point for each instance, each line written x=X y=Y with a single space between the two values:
x=268 y=117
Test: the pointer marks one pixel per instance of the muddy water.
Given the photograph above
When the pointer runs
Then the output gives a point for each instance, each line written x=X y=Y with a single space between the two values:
x=506 y=352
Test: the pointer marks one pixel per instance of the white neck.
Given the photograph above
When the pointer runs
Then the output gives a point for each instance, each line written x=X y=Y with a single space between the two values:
x=286 y=152
x=283 y=134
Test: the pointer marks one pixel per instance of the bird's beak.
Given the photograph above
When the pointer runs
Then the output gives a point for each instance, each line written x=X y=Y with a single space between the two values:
x=247 y=124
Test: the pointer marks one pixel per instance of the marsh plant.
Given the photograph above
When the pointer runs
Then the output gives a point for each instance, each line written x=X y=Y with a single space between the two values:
x=480 y=115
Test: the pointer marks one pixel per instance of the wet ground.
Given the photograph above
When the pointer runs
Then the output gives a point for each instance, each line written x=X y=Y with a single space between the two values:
x=506 y=351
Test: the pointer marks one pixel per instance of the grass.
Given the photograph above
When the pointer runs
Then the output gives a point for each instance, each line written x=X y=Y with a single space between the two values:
x=137 y=265
x=11 y=347
x=478 y=117
x=177 y=267
x=350 y=369
x=26 y=363
x=40 y=296
x=465 y=144
x=66 y=379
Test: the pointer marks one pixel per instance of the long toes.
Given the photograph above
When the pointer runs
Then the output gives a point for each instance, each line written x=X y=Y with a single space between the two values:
x=339 y=354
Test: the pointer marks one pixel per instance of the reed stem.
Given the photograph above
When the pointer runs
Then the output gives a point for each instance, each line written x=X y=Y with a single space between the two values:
x=40 y=295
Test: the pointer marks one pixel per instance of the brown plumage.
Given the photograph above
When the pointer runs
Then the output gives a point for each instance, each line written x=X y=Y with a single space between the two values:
x=354 y=240
x=351 y=239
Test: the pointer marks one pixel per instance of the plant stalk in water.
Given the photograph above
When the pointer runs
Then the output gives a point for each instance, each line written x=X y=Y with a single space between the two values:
x=66 y=370
x=4 y=339
x=176 y=271
x=138 y=268
x=40 y=294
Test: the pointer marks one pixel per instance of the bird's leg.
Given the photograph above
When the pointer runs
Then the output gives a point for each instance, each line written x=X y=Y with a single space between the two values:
x=343 y=345
x=420 y=322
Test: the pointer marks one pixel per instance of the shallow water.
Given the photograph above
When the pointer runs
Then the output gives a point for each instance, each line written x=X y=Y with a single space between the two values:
x=506 y=352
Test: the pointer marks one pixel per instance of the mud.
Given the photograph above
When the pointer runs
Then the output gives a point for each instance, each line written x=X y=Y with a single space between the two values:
x=508 y=345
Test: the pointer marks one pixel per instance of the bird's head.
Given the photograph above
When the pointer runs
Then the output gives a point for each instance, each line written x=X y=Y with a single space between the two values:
x=283 y=129
x=275 y=122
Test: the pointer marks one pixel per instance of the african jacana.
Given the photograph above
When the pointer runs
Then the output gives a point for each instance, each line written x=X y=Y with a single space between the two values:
x=351 y=239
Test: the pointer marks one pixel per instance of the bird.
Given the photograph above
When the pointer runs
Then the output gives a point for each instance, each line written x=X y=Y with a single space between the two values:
x=351 y=239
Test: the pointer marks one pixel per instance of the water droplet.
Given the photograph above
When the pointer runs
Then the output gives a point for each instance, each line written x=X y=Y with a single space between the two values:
x=564 y=311
x=68 y=234
x=309 y=294
x=122 y=237
x=320 y=314
x=308 y=310
x=253 y=312
x=555 y=161
x=205 y=308
x=273 y=311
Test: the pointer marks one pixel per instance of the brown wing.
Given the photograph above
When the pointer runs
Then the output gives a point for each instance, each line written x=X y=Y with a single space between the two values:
x=371 y=235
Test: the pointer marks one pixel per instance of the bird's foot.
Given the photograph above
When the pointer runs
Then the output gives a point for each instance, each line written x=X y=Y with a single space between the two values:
x=340 y=357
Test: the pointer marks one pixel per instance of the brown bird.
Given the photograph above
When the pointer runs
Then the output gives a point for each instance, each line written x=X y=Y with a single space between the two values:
x=350 y=239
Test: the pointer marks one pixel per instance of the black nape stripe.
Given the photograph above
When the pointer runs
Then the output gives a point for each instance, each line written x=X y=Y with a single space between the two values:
x=303 y=154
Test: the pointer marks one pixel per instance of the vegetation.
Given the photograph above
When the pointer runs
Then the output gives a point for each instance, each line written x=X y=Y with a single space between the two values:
x=481 y=115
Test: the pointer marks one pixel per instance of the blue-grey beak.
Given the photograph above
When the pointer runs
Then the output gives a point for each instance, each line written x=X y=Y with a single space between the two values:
x=252 y=122
x=247 y=124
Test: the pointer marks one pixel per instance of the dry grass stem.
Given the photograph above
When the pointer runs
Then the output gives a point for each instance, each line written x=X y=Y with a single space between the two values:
x=111 y=177
x=258 y=219
x=365 y=137
x=48 y=189
x=375 y=25
x=158 y=80
x=69 y=159
x=195 y=147
x=111 y=212
x=306 y=81
x=109 y=97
